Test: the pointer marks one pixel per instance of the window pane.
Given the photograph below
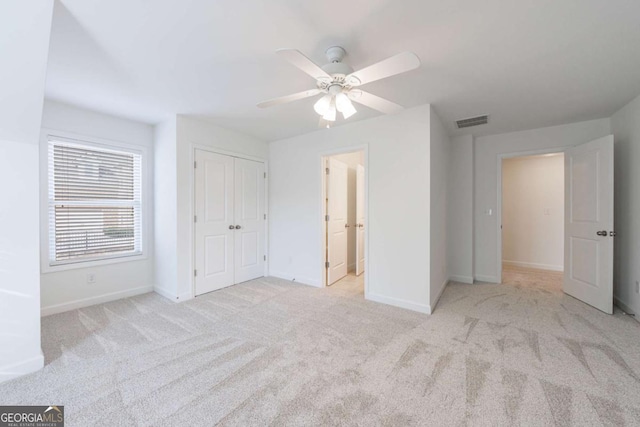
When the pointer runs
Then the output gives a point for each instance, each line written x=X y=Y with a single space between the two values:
x=94 y=202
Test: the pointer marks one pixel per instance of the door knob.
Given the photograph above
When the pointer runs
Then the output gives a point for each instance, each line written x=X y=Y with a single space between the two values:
x=361 y=225
x=346 y=226
x=601 y=233
x=231 y=227
x=238 y=227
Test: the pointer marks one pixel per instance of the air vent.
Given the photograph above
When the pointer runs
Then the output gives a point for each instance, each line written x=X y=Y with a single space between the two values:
x=472 y=121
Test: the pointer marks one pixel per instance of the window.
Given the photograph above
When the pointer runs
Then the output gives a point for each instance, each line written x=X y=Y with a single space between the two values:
x=94 y=203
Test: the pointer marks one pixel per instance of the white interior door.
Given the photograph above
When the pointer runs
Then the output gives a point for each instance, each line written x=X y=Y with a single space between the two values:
x=588 y=274
x=360 y=220
x=337 y=199
x=249 y=220
x=214 y=221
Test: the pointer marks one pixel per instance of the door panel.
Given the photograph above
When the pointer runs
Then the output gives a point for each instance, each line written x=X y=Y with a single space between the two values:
x=337 y=198
x=589 y=222
x=360 y=220
x=249 y=208
x=214 y=213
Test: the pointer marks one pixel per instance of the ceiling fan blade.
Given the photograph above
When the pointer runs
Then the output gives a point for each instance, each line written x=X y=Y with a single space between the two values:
x=397 y=64
x=298 y=59
x=372 y=101
x=289 y=98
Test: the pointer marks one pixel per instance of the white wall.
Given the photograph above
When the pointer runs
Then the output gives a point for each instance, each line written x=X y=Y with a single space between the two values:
x=352 y=160
x=174 y=205
x=460 y=210
x=533 y=212
x=625 y=125
x=24 y=42
x=398 y=171
x=439 y=158
x=165 y=209
x=487 y=150
x=67 y=288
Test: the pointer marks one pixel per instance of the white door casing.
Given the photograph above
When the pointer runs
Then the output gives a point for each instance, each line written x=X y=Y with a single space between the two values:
x=229 y=231
x=214 y=206
x=360 y=220
x=249 y=216
x=589 y=228
x=337 y=199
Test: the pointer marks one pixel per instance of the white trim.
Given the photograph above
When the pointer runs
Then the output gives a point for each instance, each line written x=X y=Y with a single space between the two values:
x=45 y=135
x=434 y=304
x=185 y=296
x=300 y=280
x=533 y=265
x=501 y=157
x=461 y=279
x=321 y=210
x=397 y=302
x=32 y=364
x=164 y=293
x=192 y=209
x=488 y=279
x=86 y=302
x=624 y=307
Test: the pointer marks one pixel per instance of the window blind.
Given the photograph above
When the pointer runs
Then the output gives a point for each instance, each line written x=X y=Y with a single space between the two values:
x=94 y=203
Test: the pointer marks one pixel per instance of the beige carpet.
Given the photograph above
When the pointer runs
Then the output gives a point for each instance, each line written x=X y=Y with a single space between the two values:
x=270 y=352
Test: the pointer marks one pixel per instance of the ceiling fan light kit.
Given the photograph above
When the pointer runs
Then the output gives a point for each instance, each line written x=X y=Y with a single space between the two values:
x=337 y=81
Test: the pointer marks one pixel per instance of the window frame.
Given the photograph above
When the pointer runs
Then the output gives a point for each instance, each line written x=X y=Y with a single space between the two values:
x=49 y=265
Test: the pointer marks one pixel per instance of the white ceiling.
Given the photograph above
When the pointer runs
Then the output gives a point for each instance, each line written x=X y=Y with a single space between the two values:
x=527 y=63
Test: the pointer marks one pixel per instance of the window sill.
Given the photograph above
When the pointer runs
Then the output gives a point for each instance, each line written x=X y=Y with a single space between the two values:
x=48 y=268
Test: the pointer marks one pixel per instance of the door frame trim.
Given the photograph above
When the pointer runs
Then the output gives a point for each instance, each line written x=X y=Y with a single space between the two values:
x=322 y=156
x=192 y=205
x=501 y=157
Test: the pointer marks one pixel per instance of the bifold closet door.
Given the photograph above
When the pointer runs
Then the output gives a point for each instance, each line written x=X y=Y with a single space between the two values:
x=250 y=220
x=230 y=221
x=214 y=222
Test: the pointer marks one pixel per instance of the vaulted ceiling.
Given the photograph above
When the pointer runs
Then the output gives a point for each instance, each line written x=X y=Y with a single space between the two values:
x=527 y=63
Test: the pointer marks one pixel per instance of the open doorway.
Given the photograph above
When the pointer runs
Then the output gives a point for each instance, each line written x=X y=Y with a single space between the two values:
x=533 y=221
x=344 y=213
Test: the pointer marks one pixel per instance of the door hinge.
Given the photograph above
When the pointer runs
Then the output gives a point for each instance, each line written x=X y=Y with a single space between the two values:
x=265 y=257
x=265 y=174
x=195 y=218
x=326 y=170
x=326 y=218
x=326 y=264
x=265 y=216
x=195 y=164
x=195 y=273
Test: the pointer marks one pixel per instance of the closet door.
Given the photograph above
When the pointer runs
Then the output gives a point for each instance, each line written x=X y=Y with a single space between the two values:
x=214 y=226
x=249 y=220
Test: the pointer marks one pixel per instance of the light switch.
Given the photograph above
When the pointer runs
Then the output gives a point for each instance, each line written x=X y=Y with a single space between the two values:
x=488 y=212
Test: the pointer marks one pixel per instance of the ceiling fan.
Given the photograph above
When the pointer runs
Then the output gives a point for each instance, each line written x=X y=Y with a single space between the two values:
x=338 y=82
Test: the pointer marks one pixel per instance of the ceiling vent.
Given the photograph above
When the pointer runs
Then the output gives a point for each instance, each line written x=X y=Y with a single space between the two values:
x=472 y=121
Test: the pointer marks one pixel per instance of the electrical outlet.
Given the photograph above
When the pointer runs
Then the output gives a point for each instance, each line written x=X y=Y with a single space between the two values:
x=91 y=278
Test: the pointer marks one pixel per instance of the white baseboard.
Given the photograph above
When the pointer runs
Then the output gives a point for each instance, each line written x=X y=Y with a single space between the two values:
x=397 y=302
x=625 y=307
x=490 y=279
x=165 y=293
x=99 y=299
x=19 y=369
x=301 y=280
x=533 y=265
x=185 y=296
x=461 y=279
x=433 y=304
